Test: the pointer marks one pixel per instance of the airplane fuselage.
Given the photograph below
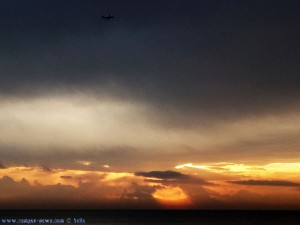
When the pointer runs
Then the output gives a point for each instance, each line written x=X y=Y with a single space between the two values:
x=107 y=17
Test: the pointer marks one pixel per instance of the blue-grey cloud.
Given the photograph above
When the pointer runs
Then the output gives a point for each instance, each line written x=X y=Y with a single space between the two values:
x=170 y=177
x=266 y=183
x=161 y=174
x=66 y=177
x=220 y=59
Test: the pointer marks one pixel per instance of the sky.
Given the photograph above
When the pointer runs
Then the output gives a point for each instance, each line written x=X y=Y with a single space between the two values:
x=170 y=105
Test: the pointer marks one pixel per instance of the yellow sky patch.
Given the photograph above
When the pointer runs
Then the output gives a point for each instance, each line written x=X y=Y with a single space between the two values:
x=267 y=171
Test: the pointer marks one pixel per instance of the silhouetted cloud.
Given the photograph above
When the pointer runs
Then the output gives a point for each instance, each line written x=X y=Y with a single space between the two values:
x=66 y=177
x=170 y=177
x=266 y=183
x=162 y=174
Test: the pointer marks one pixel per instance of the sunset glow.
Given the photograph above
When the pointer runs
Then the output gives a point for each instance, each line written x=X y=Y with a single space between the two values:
x=172 y=197
x=160 y=105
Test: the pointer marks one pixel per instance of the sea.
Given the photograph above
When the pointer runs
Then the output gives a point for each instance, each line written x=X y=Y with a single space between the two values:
x=150 y=217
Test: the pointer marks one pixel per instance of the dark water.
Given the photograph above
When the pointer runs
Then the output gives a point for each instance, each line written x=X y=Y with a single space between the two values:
x=147 y=217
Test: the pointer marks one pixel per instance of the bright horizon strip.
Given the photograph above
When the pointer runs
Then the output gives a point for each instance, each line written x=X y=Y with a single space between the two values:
x=172 y=195
x=270 y=169
x=168 y=196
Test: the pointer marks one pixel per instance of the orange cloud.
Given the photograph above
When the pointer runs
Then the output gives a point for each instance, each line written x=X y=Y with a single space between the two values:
x=61 y=188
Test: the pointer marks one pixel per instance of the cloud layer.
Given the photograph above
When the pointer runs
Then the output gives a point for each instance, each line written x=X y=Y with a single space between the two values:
x=266 y=183
x=88 y=103
x=220 y=60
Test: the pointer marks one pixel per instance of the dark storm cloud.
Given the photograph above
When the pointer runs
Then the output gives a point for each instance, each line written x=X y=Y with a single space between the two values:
x=219 y=59
x=170 y=177
x=66 y=177
x=266 y=183
x=161 y=174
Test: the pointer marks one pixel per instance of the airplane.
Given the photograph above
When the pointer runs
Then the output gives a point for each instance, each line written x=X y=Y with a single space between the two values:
x=107 y=17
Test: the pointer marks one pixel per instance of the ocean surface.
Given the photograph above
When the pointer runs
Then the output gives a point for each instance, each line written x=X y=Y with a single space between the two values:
x=147 y=217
